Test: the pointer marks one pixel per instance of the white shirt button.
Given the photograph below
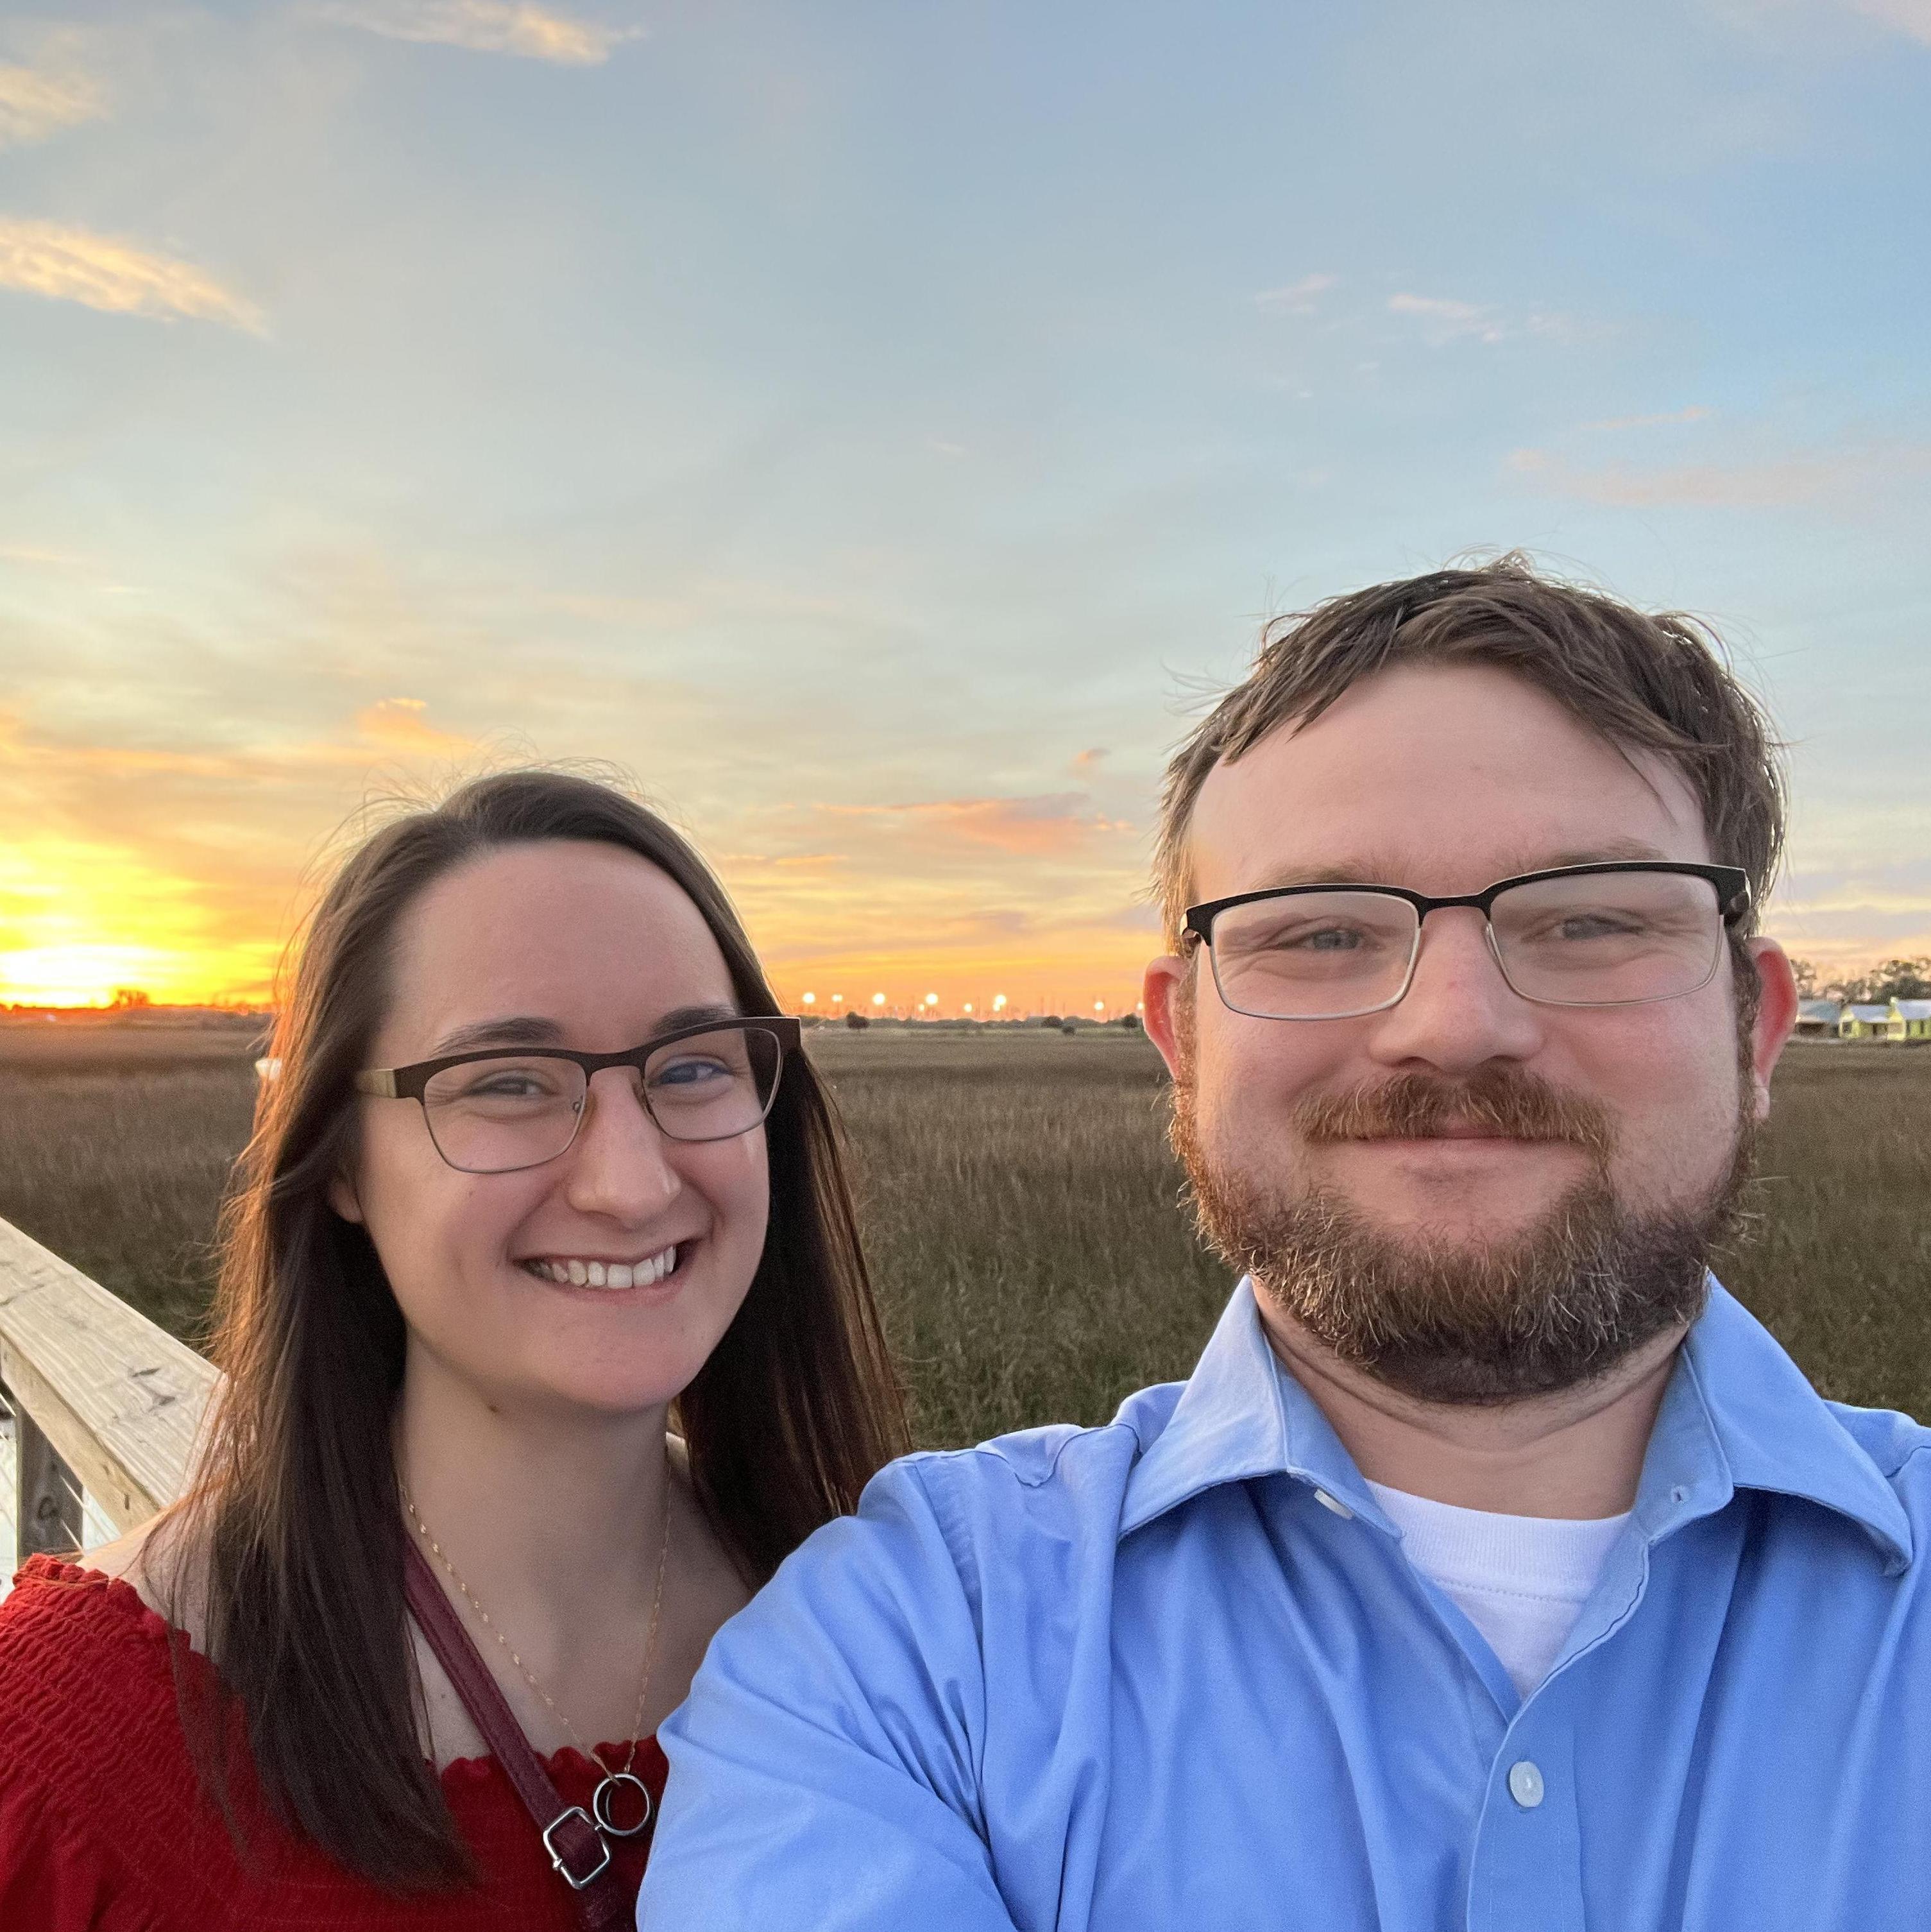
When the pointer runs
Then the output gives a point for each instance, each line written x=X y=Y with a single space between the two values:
x=1335 y=1504
x=1525 y=1785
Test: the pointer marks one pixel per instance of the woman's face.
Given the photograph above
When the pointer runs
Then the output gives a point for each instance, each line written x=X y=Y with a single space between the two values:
x=597 y=945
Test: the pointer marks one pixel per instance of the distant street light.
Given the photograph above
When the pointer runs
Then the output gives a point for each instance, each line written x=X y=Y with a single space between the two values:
x=811 y=999
x=968 y=1007
x=931 y=1001
x=999 y=1002
x=878 y=999
x=1098 y=1006
x=837 y=999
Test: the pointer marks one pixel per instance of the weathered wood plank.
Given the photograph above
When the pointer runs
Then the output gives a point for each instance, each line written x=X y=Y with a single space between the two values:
x=120 y=1400
x=46 y=1493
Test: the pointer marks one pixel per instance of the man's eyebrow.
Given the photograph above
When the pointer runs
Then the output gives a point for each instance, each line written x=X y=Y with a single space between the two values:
x=519 y=1030
x=1373 y=871
x=1608 y=853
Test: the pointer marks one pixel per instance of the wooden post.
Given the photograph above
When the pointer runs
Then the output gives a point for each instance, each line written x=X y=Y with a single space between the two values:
x=46 y=1493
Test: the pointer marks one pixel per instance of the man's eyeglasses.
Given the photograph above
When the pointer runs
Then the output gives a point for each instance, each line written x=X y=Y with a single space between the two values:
x=495 y=1111
x=1598 y=935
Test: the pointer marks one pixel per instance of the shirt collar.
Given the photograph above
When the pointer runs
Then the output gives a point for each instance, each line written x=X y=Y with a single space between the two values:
x=1240 y=1415
x=1738 y=1414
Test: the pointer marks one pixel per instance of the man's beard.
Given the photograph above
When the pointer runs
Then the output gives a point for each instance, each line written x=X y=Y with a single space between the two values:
x=1554 y=1305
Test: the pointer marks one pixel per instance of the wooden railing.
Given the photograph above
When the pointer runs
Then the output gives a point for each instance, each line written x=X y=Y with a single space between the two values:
x=106 y=1407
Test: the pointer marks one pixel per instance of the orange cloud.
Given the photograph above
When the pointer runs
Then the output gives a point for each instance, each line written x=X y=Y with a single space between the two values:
x=44 y=258
x=397 y=724
x=485 y=27
x=35 y=104
x=1033 y=827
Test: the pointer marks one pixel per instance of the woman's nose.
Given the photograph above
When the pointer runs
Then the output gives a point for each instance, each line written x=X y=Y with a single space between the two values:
x=620 y=1164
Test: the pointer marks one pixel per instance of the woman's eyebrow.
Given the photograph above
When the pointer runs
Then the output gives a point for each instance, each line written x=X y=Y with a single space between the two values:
x=521 y=1030
x=525 y=1030
x=684 y=1016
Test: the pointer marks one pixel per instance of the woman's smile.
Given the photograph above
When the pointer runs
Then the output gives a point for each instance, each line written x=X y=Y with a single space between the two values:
x=605 y=1272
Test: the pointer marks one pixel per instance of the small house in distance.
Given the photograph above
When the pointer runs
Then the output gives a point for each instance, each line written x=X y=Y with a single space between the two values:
x=1901 y=1020
x=1863 y=1022
x=1817 y=1019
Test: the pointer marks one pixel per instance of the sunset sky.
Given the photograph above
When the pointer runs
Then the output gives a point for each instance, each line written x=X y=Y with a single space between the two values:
x=871 y=426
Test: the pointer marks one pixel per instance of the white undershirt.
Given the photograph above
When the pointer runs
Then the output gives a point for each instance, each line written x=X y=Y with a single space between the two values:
x=1520 y=1580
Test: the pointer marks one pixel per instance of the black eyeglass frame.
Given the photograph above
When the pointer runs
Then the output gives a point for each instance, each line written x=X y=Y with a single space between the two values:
x=1732 y=885
x=411 y=1082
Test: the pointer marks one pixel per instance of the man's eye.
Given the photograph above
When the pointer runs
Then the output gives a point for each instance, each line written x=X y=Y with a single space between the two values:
x=1599 y=926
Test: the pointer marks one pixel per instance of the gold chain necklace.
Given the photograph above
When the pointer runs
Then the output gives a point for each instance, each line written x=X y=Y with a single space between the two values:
x=603 y=1800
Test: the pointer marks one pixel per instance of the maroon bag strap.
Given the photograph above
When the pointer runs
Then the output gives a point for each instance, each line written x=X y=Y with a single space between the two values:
x=576 y=1847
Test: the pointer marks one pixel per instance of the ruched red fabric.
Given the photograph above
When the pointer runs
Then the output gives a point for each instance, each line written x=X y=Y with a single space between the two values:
x=103 y=1829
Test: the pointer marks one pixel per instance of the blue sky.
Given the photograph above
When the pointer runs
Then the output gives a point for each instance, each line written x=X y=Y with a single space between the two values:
x=867 y=424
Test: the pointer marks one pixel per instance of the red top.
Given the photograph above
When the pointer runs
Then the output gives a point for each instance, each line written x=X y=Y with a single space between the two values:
x=103 y=1828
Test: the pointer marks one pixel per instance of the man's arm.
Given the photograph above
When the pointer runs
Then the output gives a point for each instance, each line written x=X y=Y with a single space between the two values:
x=824 y=1770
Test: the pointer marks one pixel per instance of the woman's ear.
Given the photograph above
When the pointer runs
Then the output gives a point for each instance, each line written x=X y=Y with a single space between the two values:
x=342 y=1197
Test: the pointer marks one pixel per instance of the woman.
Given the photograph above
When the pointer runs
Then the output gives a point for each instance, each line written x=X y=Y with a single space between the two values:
x=540 y=1169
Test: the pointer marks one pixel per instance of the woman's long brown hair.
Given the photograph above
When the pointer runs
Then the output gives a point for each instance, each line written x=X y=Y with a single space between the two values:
x=290 y=1540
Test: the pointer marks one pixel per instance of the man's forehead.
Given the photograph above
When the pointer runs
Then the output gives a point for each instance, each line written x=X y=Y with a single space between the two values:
x=1429 y=776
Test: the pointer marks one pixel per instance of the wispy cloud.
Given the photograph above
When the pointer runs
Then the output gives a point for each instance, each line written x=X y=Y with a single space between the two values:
x=484 y=27
x=1842 y=475
x=35 y=103
x=43 y=258
x=1696 y=413
x=1300 y=298
x=1911 y=17
x=1442 y=319
x=1445 y=320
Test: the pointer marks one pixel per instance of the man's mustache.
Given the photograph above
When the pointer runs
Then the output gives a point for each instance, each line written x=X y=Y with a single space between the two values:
x=1504 y=1100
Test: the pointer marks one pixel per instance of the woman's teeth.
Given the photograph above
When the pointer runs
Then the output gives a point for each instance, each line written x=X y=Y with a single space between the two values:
x=605 y=1274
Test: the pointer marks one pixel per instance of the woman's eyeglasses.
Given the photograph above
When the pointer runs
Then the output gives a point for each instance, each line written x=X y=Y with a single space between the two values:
x=497 y=1110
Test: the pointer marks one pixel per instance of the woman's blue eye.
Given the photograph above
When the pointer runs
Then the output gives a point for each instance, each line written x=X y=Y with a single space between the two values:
x=689 y=1072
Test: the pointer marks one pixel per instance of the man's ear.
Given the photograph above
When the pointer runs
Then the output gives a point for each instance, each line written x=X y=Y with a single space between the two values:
x=342 y=1197
x=1164 y=990
x=1776 y=1014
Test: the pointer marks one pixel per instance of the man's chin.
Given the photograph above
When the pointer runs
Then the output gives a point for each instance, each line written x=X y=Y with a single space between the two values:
x=1435 y=1225
x=1476 y=1309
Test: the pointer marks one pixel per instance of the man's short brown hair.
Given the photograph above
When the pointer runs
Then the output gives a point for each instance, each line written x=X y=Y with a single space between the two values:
x=1656 y=683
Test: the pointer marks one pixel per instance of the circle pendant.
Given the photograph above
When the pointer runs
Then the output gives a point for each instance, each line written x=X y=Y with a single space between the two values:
x=607 y=1796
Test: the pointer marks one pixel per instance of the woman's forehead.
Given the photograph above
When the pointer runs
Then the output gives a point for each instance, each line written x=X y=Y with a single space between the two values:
x=592 y=936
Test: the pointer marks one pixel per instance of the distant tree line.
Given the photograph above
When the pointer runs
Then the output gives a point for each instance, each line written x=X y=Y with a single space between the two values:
x=1895 y=980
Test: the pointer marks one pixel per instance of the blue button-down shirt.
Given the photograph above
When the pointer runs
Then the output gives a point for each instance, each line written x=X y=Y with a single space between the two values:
x=1176 y=1672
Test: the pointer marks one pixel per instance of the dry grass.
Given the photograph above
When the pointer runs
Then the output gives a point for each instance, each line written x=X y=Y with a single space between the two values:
x=1020 y=1203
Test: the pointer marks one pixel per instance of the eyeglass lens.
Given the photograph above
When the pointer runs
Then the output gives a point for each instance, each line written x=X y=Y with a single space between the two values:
x=1599 y=939
x=518 y=1110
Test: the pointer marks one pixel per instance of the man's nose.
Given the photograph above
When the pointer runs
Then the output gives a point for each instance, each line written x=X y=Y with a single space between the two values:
x=1459 y=1011
x=620 y=1164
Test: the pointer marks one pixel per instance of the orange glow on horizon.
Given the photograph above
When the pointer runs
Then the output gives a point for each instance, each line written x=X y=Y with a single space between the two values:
x=79 y=921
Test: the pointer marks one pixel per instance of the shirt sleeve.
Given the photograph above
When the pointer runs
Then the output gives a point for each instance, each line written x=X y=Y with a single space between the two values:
x=823 y=1772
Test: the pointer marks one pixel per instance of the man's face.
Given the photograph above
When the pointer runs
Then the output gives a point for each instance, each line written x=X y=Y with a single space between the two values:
x=1455 y=1171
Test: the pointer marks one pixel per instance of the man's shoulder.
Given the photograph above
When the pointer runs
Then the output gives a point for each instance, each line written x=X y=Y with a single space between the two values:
x=1059 y=1452
x=979 y=1511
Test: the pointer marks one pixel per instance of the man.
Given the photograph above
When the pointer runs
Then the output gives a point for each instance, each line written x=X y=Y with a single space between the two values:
x=1495 y=1569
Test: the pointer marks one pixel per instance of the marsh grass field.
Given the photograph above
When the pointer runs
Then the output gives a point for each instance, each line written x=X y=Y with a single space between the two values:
x=1019 y=1201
